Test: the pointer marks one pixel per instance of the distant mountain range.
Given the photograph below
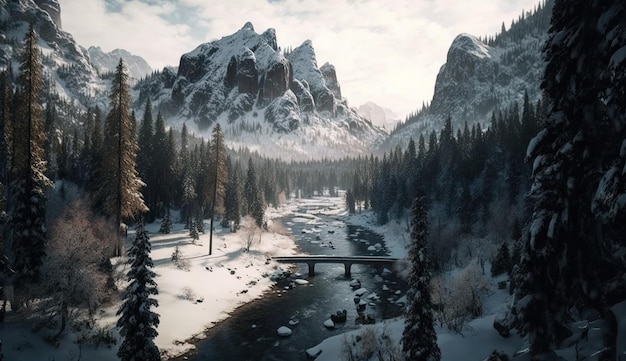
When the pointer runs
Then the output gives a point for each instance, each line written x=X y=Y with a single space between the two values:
x=280 y=102
x=106 y=62
x=379 y=116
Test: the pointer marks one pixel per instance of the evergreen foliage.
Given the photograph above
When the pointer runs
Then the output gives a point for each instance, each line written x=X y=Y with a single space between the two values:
x=568 y=259
x=120 y=189
x=166 y=223
x=232 y=194
x=252 y=196
x=27 y=197
x=419 y=340
x=137 y=322
x=502 y=261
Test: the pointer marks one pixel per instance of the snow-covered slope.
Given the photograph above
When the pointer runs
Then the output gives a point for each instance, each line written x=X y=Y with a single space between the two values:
x=106 y=62
x=478 y=79
x=279 y=103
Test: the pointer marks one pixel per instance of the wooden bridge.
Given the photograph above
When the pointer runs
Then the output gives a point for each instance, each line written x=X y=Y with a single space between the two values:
x=311 y=261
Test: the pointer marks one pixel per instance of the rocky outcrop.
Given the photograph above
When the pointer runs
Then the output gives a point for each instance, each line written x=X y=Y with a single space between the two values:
x=247 y=73
x=276 y=79
x=283 y=113
x=469 y=65
x=53 y=8
x=303 y=93
x=330 y=77
x=305 y=67
x=76 y=74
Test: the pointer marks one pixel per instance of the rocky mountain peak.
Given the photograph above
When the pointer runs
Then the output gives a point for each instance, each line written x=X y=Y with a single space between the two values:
x=245 y=78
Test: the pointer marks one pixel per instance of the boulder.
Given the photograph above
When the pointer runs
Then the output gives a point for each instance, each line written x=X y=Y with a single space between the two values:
x=284 y=331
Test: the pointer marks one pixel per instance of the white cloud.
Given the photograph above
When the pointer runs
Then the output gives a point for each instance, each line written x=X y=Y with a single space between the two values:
x=388 y=52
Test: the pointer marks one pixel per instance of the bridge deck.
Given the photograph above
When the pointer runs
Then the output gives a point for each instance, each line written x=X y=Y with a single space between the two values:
x=347 y=261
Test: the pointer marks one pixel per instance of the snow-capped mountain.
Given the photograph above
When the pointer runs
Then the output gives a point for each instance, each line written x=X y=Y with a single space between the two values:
x=481 y=76
x=382 y=117
x=277 y=102
x=106 y=62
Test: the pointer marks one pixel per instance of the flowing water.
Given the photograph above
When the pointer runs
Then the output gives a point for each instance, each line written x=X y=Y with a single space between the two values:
x=250 y=333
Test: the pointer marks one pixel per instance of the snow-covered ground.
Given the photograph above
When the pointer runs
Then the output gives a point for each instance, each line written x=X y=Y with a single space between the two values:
x=213 y=286
x=190 y=301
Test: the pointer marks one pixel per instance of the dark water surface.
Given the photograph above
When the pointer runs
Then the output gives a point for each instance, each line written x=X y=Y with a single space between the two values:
x=250 y=333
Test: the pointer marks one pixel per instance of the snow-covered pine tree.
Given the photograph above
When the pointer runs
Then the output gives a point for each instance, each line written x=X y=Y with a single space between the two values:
x=419 y=340
x=565 y=246
x=137 y=322
x=166 y=223
x=27 y=199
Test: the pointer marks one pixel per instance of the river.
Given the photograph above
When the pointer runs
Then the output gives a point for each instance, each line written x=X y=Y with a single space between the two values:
x=249 y=334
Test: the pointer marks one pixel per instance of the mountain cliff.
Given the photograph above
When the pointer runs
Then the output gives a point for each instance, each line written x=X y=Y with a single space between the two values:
x=482 y=75
x=251 y=87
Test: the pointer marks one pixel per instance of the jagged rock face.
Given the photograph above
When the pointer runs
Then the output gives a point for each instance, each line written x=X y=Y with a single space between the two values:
x=303 y=93
x=53 y=8
x=107 y=62
x=330 y=76
x=276 y=80
x=304 y=65
x=247 y=73
x=282 y=113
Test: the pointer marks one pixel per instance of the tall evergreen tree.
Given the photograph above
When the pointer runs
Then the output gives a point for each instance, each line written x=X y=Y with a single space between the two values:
x=137 y=321
x=28 y=181
x=419 y=340
x=217 y=165
x=121 y=184
x=146 y=161
x=566 y=244
x=232 y=194
x=252 y=195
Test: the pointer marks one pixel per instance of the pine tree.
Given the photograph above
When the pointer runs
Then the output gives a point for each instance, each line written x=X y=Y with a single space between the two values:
x=419 y=340
x=121 y=184
x=137 y=322
x=502 y=261
x=232 y=194
x=28 y=181
x=166 y=223
x=146 y=161
x=252 y=194
x=217 y=164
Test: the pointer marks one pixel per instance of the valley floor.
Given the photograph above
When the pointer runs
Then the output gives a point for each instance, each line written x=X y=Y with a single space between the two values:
x=192 y=300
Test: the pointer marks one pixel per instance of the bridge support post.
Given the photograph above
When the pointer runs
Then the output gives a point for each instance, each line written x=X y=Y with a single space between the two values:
x=348 y=267
x=311 y=269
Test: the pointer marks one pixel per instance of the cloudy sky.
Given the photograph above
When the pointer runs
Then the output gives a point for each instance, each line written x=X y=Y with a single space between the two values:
x=385 y=51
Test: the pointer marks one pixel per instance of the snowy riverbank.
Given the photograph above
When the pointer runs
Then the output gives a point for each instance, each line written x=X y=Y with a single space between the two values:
x=190 y=300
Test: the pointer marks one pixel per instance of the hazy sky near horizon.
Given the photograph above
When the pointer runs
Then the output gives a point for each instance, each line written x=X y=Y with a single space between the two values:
x=388 y=52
